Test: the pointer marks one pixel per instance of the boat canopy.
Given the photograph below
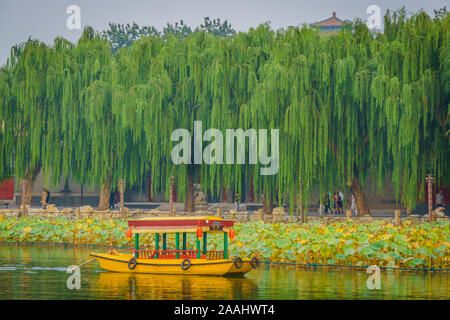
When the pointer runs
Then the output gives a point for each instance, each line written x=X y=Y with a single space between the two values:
x=180 y=224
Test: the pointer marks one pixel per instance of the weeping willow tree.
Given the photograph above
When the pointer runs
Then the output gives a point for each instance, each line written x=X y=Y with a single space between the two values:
x=143 y=109
x=162 y=85
x=6 y=118
x=312 y=89
x=102 y=145
x=414 y=95
x=101 y=148
x=347 y=107
x=28 y=132
x=359 y=104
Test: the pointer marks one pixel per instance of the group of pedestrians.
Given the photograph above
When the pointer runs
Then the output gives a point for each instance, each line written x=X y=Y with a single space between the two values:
x=333 y=203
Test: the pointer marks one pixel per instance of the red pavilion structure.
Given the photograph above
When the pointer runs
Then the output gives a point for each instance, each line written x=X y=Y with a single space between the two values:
x=330 y=25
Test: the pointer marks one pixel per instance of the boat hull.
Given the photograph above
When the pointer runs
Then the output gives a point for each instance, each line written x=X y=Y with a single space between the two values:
x=119 y=263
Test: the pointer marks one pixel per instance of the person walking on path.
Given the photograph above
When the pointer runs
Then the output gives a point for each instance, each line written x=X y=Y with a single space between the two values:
x=236 y=201
x=45 y=198
x=440 y=199
x=341 y=202
x=112 y=200
x=341 y=195
x=336 y=203
x=326 y=203
x=353 y=206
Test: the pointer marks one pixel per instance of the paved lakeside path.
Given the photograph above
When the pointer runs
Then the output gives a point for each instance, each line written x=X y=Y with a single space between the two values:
x=420 y=209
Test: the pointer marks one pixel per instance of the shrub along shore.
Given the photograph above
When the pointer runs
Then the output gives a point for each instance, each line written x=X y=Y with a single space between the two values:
x=410 y=245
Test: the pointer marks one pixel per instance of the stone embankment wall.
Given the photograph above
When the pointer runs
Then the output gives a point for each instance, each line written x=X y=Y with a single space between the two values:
x=241 y=217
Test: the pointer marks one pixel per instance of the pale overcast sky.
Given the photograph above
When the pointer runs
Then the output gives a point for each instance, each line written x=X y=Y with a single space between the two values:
x=46 y=19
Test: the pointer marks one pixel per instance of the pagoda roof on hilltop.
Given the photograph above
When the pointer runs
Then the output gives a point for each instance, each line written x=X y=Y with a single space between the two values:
x=332 y=21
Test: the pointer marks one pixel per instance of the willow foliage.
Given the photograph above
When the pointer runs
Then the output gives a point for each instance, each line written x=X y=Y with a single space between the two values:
x=347 y=106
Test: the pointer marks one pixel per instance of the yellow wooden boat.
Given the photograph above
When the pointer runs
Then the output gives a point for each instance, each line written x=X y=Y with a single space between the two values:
x=177 y=260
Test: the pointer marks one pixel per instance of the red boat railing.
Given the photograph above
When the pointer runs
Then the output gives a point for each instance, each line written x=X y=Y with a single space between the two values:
x=214 y=255
x=167 y=254
x=182 y=254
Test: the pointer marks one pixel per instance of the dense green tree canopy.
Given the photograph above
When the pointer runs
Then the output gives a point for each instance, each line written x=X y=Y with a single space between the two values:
x=347 y=106
x=121 y=35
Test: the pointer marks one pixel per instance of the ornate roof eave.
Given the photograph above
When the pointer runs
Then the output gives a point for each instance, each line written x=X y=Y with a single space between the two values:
x=316 y=24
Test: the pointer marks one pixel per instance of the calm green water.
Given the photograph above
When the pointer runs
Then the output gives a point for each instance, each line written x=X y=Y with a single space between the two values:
x=40 y=273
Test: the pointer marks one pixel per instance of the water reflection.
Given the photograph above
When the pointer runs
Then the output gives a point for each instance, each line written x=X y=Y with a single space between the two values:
x=177 y=287
x=40 y=273
x=343 y=284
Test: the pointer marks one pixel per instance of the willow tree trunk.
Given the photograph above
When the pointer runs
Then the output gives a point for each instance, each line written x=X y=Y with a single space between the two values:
x=267 y=204
x=224 y=194
x=189 y=201
x=251 y=197
x=105 y=193
x=302 y=211
x=360 y=198
x=271 y=204
x=28 y=181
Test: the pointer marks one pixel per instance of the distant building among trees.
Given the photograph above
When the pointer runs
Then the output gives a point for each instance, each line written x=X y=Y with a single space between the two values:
x=330 y=25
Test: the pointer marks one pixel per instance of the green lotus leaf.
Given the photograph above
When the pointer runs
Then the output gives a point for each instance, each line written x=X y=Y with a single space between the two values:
x=303 y=249
x=282 y=243
x=293 y=235
x=349 y=251
x=391 y=263
x=416 y=262
x=367 y=251
x=297 y=245
x=384 y=243
x=441 y=250
x=381 y=255
x=377 y=246
x=395 y=255
x=390 y=231
x=363 y=238
x=399 y=238
x=424 y=251
x=331 y=241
